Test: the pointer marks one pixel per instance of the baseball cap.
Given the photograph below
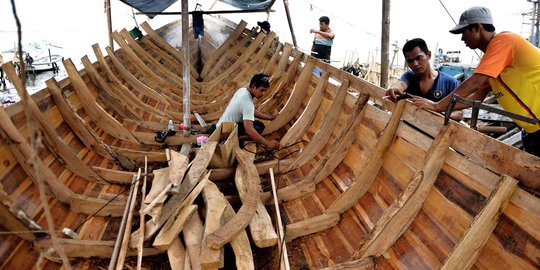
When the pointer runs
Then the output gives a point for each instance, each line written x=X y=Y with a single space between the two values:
x=470 y=16
x=264 y=25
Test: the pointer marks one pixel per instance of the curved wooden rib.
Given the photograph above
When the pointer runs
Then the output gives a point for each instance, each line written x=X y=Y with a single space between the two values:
x=166 y=46
x=301 y=125
x=401 y=213
x=240 y=221
x=80 y=204
x=58 y=147
x=100 y=117
x=86 y=134
x=134 y=82
x=468 y=249
x=16 y=220
x=223 y=48
x=295 y=99
x=368 y=174
x=260 y=226
x=320 y=139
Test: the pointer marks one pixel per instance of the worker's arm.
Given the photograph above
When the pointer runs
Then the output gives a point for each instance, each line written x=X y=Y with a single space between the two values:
x=252 y=133
x=472 y=87
x=396 y=89
x=264 y=116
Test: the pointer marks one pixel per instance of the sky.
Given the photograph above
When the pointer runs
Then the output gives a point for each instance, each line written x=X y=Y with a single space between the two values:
x=75 y=25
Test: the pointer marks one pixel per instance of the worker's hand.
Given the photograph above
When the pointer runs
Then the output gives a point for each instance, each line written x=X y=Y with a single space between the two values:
x=393 y=93
x=273 y=144
x=274 y=115
x=424 y=103
x=313 y=30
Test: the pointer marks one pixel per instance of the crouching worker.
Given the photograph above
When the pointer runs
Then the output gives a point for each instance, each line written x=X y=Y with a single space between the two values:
x=241 y=110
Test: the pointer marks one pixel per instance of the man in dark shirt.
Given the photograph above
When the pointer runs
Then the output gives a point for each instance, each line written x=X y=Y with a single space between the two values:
x=422 y=80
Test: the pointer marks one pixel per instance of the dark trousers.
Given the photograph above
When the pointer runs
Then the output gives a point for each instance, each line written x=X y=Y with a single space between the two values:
x=531 y=142
x=322 y=52
x=257 y=125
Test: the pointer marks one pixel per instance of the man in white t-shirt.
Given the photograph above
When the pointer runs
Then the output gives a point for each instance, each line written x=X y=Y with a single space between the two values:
x=241 y=110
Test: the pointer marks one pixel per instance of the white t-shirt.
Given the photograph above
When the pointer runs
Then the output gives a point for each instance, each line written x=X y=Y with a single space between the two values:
x=240 y=108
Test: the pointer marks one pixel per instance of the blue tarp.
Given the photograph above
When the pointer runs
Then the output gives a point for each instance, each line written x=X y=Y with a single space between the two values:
x=153 y=6
x=146 y=6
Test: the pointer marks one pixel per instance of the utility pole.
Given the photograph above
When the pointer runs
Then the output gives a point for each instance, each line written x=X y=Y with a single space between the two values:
x=286 y=3
x=385 y=43
x=109 y=23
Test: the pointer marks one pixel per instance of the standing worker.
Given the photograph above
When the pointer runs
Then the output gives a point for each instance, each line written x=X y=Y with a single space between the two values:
x=323 y=40
x=510 y=68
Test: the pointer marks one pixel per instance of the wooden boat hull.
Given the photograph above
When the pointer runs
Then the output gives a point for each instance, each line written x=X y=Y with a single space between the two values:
x=375 y=185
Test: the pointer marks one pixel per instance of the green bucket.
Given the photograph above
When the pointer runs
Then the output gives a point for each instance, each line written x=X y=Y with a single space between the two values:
x=135 y=33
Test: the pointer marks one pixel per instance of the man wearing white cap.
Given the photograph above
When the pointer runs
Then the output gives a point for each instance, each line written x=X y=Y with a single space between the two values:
x=510 y=68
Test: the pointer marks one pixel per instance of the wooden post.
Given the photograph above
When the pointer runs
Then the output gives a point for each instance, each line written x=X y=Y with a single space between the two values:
x=385 y=43
x=284 y=258
x=109 y=23
x=286 y=3
x=187 y=75
x=140 y=246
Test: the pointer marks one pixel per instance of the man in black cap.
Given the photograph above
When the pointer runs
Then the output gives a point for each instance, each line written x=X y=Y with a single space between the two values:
x=510 y=68
x=265 y=27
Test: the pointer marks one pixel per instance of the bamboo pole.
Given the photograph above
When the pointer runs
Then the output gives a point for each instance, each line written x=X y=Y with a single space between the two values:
x=141 y=215
x=284 y=258
x=187 y=75
x=385 y=43
x=127 y=230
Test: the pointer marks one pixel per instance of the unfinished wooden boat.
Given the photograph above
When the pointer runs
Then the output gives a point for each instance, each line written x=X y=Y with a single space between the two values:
x=360 y=182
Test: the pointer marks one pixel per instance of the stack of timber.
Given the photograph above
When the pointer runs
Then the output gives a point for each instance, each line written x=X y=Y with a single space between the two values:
x=360 y=183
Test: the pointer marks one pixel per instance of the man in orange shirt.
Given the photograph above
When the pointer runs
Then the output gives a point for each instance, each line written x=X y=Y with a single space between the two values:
x=510 y=68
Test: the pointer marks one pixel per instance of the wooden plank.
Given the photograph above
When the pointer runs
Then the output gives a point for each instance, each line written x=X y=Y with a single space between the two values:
x=99 y=116
x=170 y=230
x=295 y=99
x=200 y=163
x=312 y=225
x=212 y=258
x=262 y=231
x=304 y=121
x=193 y=237
x=361 y=264
x=240 y=244
x=86 y=248
x=177 y=255
x=114 y=176
x=361 y=184
x=469 y=247
x=178 y=165
x=397 y=219
x=14 y=219
x=240 y=221
x=331 y=117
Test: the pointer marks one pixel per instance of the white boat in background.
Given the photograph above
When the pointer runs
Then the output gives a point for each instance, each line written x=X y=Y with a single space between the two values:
x=46 y=63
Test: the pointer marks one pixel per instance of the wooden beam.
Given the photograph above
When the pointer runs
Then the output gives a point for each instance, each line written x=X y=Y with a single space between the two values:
x=177 y=255
x=193 y=237
x=86 y=248
x=213 y=198
x=170 y=230
x=311 y=225
x=397 y=219
x=114 y=176
x=361 y=184
x=140 y=248
x=468 y=249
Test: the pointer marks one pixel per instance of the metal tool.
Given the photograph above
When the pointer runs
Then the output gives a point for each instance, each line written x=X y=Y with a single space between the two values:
x=476 y=106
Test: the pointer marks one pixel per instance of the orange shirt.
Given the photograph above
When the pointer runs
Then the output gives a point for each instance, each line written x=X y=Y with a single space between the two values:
x=513 y=65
